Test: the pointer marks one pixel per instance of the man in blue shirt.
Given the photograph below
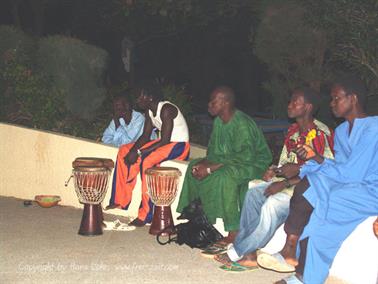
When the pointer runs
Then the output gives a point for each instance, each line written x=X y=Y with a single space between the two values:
x=126 y=125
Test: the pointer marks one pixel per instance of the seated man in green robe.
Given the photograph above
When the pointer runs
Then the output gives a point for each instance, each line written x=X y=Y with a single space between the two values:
x=237 y=153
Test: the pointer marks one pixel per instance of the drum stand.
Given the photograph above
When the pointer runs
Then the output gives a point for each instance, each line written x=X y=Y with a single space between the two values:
x=162 y=221
x=91 y=222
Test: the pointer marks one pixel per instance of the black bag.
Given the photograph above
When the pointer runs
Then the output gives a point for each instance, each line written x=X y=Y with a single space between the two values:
x=197 y=232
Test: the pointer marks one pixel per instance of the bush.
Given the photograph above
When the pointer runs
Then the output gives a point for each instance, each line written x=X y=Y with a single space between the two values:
x=178 y=96
x=77 y=69
x=16 y=44
x=27 y=97
x=293 y=52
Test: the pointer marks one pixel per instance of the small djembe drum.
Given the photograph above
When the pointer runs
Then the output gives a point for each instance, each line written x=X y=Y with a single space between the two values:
x=162 y=187
x=91 y=177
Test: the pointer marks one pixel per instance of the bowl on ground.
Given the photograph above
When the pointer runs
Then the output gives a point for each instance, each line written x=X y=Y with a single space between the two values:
x=47 y=201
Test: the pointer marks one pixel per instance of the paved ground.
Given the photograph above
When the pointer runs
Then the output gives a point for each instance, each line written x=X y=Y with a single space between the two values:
x=39 y=245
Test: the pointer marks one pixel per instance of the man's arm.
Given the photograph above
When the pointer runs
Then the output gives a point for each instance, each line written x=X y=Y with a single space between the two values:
x=131 y=132
x=281 y=185
x=204 y=168
x=168 y=114
x=132 y=156
x=355 y=166
x=108 y=135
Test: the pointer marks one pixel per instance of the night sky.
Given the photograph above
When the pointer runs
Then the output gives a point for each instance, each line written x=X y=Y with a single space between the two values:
x=199 y=57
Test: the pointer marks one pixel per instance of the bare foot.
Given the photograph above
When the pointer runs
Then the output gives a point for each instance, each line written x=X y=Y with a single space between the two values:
x=290 y=249
x=290 y=258
x=249 y=260
x=230 y=238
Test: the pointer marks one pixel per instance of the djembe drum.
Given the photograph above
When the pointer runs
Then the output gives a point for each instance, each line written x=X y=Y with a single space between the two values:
x=91 y=177
x=162 y=187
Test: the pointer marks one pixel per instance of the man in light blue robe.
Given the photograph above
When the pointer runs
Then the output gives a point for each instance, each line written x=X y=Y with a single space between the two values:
x=342 y=193
x=126 y=125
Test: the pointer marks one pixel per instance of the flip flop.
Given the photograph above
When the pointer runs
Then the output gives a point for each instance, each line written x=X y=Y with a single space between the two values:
x=223 y=259
x=109 y=225
x=215 y=246
x=236 y=267
x=275 y=262
x=214 y=249
x=125 y=227
x=117 y=225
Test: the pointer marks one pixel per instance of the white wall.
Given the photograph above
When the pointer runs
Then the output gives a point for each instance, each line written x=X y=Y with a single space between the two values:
x=39 y=162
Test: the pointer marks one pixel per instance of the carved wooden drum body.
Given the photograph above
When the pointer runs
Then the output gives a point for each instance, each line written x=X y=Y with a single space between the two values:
x=91 y=176
x=162 y=183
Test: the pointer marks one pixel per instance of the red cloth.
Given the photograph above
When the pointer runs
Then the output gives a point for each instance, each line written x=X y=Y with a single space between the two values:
x=126 y=177
x=318 y=142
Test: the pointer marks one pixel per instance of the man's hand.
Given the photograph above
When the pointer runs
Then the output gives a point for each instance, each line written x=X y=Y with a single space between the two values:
x=305 y=153
x=117 y=115
x=375 y=227
x=269 y=174
x=199 y=170
x=288 y=170
x=274 y=188
x=131 y=157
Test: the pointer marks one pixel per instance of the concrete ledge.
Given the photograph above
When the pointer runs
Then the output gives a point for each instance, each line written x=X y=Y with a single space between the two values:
x=39 y=162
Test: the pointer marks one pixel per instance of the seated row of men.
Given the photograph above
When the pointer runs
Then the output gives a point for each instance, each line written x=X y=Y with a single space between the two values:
x=324 y=185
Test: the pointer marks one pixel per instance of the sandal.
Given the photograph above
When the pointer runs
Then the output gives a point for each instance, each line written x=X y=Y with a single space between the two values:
x=223 y=258
x=275 y=262
x=117 y=225
x=237 y=267
x=214 y=249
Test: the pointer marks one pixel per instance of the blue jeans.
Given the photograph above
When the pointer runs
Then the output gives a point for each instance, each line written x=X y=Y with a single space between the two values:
x=260 y=219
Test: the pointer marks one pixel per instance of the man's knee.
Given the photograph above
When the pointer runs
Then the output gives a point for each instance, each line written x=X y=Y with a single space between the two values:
x=124 y=149
x=253 y=194
x=275 y=205
x=302 y=186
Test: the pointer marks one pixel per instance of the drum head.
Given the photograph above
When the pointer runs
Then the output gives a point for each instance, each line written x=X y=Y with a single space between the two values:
x=164 y=171
x=89 y=162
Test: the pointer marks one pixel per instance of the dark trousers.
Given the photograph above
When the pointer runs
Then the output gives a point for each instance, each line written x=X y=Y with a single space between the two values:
x=299 y=215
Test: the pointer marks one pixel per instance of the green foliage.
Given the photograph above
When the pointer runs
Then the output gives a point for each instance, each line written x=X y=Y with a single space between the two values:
x=77 y=69
x=293 y=52
x=178 y=96
x=27 y=97
x=310 y=42
x=181 y=11
x=280 y=94
x=15 y=43
x=351 y=26
x=146 y=19
x=30 y=96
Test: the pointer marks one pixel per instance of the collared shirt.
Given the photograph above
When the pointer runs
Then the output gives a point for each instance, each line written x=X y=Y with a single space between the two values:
x=125 y=133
